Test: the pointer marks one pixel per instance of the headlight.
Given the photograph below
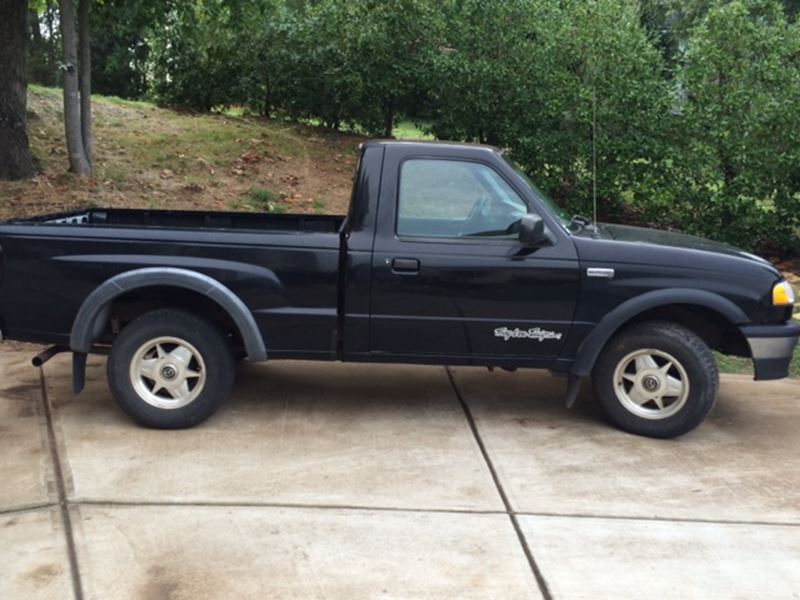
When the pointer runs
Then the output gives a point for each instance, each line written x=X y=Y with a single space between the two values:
x=782 y=294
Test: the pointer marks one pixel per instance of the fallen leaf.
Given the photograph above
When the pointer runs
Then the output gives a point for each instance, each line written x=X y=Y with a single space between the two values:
x=251 y=157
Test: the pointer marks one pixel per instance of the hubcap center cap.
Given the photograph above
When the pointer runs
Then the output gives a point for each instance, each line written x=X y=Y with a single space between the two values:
x=650 y=383
x=169 y=372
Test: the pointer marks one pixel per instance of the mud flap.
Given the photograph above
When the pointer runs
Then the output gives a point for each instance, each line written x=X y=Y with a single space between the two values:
x=78 y=372
x=573 y=387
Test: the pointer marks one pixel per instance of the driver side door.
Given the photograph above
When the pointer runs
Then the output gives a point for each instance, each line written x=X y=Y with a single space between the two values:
x=450 y=279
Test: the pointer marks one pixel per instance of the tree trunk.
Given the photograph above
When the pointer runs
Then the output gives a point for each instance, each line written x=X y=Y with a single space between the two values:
x=15 y=155
x=85 y=79
x=52 y=79
x=33 y=23
x=267 y=98
x=388 y=119
x=78 y=163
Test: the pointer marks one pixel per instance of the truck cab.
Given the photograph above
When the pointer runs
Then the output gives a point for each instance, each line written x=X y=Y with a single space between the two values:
x=449 y=280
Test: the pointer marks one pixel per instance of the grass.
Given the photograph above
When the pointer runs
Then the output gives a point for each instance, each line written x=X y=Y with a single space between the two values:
x=404 y=129
x=408 y=130
x=260 y=200
x=146 y=156
x=735 y=364
x=118 y=173
x=44 y=91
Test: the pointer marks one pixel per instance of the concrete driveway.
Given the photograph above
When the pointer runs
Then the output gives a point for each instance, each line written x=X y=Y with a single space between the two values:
x=349 y=482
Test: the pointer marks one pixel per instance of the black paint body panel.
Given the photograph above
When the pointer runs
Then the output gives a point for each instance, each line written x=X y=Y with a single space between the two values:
x=327 y=287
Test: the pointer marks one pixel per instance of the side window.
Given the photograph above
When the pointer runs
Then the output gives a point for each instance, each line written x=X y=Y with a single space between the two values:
x=452 y=199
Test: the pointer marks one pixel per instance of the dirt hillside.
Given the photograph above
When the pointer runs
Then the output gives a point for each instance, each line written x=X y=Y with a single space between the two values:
x=149 y=157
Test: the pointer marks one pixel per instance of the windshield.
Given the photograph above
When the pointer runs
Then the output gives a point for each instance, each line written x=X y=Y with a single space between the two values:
x=554 y=208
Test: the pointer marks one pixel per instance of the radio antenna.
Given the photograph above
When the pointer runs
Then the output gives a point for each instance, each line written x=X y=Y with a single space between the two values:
x=593 y=69
x=594 y=152
x=593 y=58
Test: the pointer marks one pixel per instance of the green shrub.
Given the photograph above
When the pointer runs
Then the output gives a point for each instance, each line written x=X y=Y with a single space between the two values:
x=693 y=107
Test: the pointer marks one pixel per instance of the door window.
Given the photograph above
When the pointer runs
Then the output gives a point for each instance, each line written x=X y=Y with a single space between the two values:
x=456 y=199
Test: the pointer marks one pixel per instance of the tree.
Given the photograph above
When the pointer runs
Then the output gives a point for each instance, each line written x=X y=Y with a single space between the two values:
x=314 y=76
x=266 y=54
x=482 y=69
x=551 y=82
x=736 y=158
x=43 y=44
x=594 y=81
x=197 y=57
x=358 y=64
x=394 y=43
x=76 y=122
x=121 y=42
x=15 y=155
x=85 y=79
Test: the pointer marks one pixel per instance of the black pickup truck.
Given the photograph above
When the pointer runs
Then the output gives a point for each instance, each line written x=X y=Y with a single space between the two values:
x=449 y=255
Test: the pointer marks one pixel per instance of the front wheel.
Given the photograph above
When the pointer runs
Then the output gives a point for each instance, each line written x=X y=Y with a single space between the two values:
x=170 y=370
x=656 y=379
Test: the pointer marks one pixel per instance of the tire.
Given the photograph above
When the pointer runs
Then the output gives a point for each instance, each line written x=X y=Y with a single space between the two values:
x=152 y=359
x=656 y=379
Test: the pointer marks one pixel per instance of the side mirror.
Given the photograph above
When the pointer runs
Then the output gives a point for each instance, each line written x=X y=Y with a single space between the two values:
x=531 y=230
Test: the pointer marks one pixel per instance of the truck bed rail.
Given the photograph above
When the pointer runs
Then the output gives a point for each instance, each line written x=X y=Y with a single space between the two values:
x=191 y=220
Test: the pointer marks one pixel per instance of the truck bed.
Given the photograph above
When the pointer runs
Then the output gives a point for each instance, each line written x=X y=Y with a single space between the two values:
x=179 y=219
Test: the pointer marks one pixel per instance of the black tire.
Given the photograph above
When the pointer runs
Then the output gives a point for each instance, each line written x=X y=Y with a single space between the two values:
x=214 y=360
x=669 y=415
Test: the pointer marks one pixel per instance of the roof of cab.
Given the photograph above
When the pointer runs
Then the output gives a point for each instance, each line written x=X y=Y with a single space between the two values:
x=424 y=143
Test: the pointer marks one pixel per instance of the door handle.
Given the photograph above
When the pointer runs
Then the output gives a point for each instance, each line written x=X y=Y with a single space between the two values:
x=405 y=265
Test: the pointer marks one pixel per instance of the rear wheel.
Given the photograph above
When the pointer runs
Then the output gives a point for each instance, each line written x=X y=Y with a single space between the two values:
x=170 y=370
x=656 y=379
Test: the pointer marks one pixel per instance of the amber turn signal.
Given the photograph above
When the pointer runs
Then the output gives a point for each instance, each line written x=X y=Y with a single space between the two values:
x=782 y=294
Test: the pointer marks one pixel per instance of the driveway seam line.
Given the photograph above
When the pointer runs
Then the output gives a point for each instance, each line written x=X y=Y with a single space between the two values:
x=212 y=504
x=537 y=573
x=660 y=519
x=27 y=508
x=398 y=509
x=63 y=501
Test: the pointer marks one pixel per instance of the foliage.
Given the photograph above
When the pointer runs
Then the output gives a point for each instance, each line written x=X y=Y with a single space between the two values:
x=121 y=33
x=693 y=106
x=734 y=165
x=360 y=63
x=44 y=43
x=484 y=71
x=195 y=56
x=597 y=77
x=310 y=63
x=393 y=45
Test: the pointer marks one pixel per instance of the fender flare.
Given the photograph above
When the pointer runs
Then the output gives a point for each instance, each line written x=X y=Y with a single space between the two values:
x=93 y=313
x=590 y=348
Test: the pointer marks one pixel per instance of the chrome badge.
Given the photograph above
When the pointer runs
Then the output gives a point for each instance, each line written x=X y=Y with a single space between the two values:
x=534 y=333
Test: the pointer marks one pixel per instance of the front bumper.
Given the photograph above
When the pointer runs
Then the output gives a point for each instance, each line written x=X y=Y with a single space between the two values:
x=772 y=348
